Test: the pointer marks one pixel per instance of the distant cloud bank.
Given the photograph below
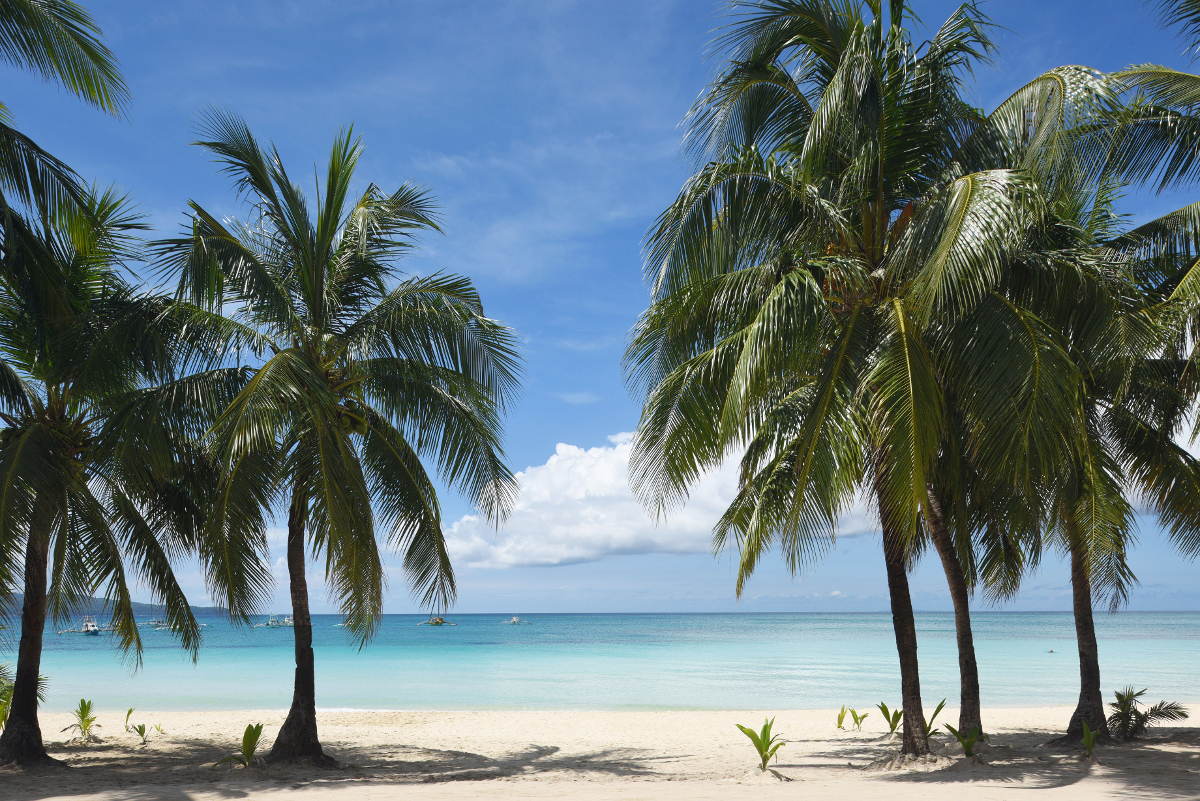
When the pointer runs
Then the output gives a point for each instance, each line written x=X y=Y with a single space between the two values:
x=577 y=507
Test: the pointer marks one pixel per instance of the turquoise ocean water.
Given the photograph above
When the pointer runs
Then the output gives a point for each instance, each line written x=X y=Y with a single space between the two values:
x=611 y=661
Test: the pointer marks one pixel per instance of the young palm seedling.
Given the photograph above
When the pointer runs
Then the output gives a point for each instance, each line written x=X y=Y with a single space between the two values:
x=1089 y=740
x=858 y=719
x=893 y=718
x=968 y=740
x=929 y=721
x=765 y=743
x=842 y=718
x=246 y=757
x=85 y=721
x=1129 y=721
x=128 y=715
x=140 y=731
x=158 y=728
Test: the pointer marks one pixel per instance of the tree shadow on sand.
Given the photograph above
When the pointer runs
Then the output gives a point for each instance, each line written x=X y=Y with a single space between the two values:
x=1166 y=765
x=186 y=769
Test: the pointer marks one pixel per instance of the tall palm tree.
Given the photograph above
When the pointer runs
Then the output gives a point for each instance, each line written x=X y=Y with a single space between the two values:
x=365 y=374
x=58 y=40
x=79 y=498
x=839 y=233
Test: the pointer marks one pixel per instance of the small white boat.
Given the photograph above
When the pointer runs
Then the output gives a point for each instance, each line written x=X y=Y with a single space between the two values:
x=274 y=622
x=437 y=621
x=88 y=626
x=516 y=621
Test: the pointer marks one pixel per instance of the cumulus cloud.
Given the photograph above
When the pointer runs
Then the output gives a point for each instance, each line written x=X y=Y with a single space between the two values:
x=577 y=507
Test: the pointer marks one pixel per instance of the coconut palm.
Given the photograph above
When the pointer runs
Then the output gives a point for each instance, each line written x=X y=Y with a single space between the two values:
x=826 y=273
x=365 y=374
x=58 y=40
x=80 y=499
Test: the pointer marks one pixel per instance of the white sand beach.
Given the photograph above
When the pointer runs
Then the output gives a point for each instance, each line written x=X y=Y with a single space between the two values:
x=602 y=755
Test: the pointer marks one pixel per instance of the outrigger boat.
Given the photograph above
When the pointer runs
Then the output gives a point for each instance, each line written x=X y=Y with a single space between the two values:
x=436 y=619
x=275 y=623
x=516 y=621
x=89 y=626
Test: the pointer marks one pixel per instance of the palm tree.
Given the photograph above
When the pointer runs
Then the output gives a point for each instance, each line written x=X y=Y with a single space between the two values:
x=79 y=497
x=58 y=40
x=365 y=375
x=829 y=271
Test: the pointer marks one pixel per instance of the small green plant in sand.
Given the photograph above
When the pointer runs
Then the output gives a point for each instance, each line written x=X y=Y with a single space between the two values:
x=842 y=718
x=1089 y=739
x=128 y=715
x=1129 y=721
x=929 y=721
x=765 y=743
x=893 y=717
x=858 y=719
x=85 y=721
x=158 y=728
x=246 y=757
x=968 y=740
x=140 y=731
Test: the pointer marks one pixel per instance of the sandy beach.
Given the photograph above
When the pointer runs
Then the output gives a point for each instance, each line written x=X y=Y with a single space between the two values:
x=601 y=755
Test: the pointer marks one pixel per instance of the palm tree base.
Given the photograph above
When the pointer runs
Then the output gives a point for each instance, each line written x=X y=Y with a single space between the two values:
x=21 y=744
x=297 y=744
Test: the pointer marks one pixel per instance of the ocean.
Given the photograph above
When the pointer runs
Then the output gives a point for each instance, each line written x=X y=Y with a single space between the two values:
x=624 y=661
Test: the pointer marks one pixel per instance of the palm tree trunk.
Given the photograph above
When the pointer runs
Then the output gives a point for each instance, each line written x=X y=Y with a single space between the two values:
x=21 y=741
x=297 y=740
x=1091 y=702
x=969 y=716
x=915 y=742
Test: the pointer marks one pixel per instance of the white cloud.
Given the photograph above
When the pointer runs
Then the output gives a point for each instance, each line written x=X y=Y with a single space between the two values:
x=577 y=507
x=578 y=397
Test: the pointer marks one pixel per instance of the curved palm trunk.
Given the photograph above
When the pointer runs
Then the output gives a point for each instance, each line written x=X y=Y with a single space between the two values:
x=915 y=742
x=1091 y=702
x=297 y=740
x=969 y=716
x=21 y=741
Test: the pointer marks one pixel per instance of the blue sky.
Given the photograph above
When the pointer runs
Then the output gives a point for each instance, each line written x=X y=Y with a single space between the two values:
x=548 y=132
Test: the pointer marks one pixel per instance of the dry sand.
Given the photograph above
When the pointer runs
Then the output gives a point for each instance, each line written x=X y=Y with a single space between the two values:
x=601 y=755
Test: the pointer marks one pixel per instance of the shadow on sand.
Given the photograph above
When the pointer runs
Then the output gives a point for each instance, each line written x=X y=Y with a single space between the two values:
x=1166 y=765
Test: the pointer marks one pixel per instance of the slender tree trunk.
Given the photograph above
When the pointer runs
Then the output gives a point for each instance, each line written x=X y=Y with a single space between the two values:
x=297 y=740
x=1091 y=702
x=21 y=741
x=968 y=671
x=915 y=742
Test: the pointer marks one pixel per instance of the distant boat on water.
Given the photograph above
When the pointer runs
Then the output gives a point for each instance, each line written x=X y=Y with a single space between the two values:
x=274 y=622
x=516 y=621
x=89 y=626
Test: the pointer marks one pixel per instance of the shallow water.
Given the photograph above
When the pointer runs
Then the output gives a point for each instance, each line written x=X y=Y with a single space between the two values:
x=611 y=661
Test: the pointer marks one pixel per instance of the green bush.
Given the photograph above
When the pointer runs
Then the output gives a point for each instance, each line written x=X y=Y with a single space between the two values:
x=1129 y=721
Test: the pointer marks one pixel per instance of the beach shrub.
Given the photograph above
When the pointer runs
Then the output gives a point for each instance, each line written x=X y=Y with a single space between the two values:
x=893 y=718
x=140 y=731
x=246 y=757
x=858 y=719
x=1129 y=721
x=1089 y=739
x=842 y=718
x=85 y=721
x=968 y=740
x=765 y=743
x=929 y=721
